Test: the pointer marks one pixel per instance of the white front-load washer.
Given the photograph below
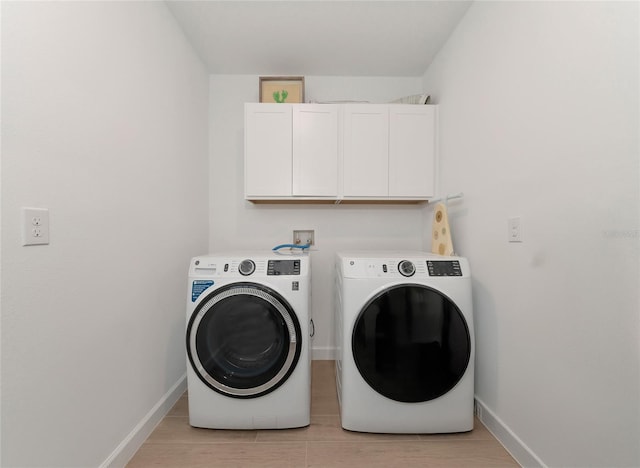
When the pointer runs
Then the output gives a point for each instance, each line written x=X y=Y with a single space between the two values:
x=404 y=331
x=247 y=340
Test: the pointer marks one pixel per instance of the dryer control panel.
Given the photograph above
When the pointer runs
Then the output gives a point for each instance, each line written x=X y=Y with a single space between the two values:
x=401 y=265
x=444 y=268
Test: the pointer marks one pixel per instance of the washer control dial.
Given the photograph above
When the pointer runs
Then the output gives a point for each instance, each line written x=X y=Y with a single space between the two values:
x=406 y=268
x=246 y=267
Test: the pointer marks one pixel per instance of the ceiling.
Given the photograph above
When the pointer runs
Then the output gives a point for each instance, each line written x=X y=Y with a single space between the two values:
x=314 y=37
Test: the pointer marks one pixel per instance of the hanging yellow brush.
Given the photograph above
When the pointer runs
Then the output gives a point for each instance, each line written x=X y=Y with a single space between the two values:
x=441 y=237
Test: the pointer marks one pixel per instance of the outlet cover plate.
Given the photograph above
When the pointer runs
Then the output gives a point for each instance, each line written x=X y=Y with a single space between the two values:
x=35 y=226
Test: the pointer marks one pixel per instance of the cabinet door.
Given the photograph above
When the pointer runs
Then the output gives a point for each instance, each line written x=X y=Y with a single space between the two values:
x=315 y=150
x=366 y=150
x=267 y=150
x=412 y=149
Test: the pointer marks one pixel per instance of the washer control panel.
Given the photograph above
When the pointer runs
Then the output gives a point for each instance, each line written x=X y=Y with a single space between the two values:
x=255 y=265
x=283 y=267
x=444 y=268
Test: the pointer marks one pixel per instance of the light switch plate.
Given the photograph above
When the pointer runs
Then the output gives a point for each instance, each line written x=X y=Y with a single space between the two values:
x=515 y=229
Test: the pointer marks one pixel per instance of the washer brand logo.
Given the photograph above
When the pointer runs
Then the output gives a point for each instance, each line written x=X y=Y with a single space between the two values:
x=198 y=287
x=295 y=286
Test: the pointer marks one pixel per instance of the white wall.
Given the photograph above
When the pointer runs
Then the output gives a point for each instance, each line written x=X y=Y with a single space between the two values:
x=239 y=224
x=104 y=122
x=539 y=107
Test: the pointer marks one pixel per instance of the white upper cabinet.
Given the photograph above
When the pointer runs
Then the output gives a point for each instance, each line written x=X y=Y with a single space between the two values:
x=412 y=151
x=267 y=150
x=315 y=150
x=389 y=151
x=340 y=152
x=291 y=150
x=366 y=150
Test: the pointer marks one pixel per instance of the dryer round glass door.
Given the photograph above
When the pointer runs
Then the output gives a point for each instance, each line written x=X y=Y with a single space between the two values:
x=243 y=340
x=411 y=343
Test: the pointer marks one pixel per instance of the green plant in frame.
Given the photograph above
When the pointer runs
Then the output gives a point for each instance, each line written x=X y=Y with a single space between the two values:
x=280 y=96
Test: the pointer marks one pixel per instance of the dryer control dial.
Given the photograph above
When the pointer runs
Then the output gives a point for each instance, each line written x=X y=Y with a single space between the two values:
x=406 y=268
x=246 y=267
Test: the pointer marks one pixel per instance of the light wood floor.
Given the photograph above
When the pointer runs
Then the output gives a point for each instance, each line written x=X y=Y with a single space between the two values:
x=323 y=444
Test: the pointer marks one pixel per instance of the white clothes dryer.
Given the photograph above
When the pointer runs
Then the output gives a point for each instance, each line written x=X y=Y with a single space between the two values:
x=406 y=348
x=247 y=340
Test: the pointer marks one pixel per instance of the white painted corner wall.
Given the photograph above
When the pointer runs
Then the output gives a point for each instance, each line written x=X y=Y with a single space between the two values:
x=538 y=105
x=539 y=116
x=104 y=122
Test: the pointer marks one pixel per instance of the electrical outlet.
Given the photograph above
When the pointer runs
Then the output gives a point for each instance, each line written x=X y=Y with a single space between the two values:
x=304 y=237
x=35 y=226
x=515 y=229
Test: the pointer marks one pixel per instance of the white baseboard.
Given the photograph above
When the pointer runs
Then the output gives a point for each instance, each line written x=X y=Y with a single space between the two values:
x=130 y=445
x=511 y=442
x=324 y=354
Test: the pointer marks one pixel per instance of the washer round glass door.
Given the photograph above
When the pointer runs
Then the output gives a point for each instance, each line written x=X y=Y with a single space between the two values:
x=411 y=343
x=243 y=340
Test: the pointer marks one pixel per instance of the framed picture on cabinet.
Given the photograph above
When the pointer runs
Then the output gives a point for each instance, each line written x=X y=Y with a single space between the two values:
x=289 y=89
